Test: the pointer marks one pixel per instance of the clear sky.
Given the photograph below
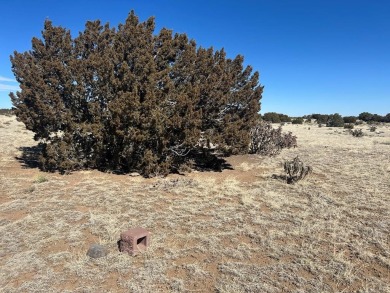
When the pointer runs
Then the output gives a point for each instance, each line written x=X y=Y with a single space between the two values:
x=314 y=56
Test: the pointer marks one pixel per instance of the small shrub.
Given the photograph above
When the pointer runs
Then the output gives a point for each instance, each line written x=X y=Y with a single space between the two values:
x=31 y=189
x=296 y=170
x=265 y=140
x=373 y=128
x=348 y=126
x=357 y=133
x=298 y=120
x=41 y=179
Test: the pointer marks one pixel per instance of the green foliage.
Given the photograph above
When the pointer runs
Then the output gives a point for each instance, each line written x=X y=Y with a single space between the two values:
x=267 y=141
x=320 y=118
x=272 y=117
x=365 y=116
x=348 y=126
x=335 y=120
x=349 y=119
x=127 y=100
x=284 y=118
x=377 y=118
x=372 y=118
x=298 y=120
x=276 y=117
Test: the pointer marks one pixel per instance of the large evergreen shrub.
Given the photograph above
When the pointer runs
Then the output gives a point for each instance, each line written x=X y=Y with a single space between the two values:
x=335 y=120
x=298 y=120
x=126 y=99
x=320 y=118
x=350 y=119
x=274 y=117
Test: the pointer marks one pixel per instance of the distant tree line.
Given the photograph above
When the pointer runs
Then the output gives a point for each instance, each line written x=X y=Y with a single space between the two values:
x=6 y=112
x=331 y=120
x=276 y=117
x=365 y=116
x=368 y=117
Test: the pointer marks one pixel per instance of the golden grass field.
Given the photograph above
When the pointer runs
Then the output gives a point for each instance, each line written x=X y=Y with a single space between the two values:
x=239 y=230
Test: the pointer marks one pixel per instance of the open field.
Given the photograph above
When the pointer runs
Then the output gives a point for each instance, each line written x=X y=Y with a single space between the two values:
x=239 y=230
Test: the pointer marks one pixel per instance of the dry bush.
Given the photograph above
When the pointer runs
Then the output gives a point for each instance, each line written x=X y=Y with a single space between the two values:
x=348 y=126
x=265 y=140
x=296 y=170
x=357 y=132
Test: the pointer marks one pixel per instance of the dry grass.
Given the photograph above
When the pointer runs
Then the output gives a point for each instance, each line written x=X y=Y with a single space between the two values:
x=235 y=231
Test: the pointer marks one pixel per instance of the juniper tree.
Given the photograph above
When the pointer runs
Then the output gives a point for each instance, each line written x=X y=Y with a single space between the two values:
x=126 y=99
x=335 y=120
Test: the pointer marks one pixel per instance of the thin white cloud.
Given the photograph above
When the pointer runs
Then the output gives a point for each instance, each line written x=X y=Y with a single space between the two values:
x=2 y=78
x=8 y=88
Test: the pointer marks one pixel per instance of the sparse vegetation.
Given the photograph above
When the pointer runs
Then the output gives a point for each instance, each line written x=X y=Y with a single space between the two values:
x=237 y=230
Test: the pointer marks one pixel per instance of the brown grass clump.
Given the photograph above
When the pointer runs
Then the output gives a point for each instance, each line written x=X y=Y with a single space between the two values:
x=238 y=230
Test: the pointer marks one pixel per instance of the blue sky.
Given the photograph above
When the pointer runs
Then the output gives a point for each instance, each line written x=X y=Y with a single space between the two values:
x=314 y=56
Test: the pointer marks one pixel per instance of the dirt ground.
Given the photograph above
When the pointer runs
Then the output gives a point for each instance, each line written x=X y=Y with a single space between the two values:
x=239 y=230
